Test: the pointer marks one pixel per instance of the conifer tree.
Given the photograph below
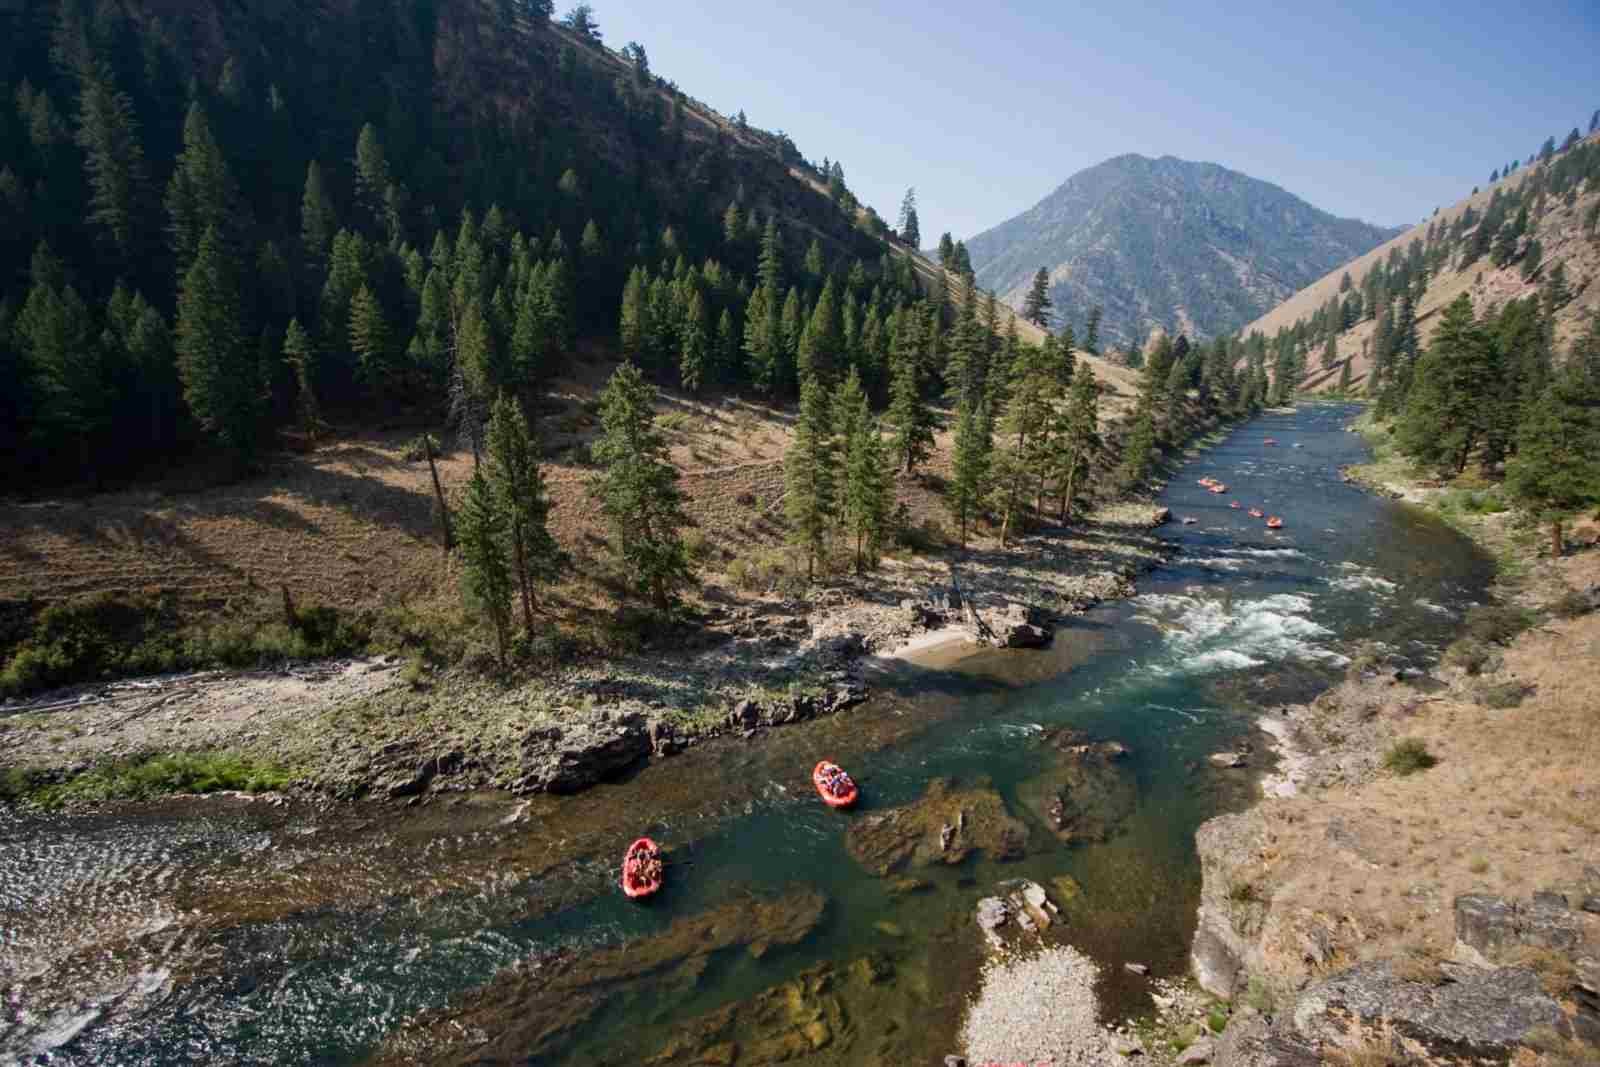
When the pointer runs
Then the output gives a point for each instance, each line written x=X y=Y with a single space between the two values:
x=300 y=353
x=108 y=133
x=808 y=468
x=969 y=478
x=791 y=327
x=910 y=422
x=1077 y=440
x=822 y=341
x=202 y=194
x=221 y=382
x=1557 y=466
x=910 y=229
x=635 y=328
x=638 y=490
x=1023 y=430
x=727 y=347
x=369 y=338
x=1036 y=307
x=1091 y=331
x=486 y=577
x=1344 y=376
x=518 y=485
x=68 y=387
x=695 y=345
x=1447 y=411
x=1330 y=353
x=372 y=174
x=869 y=490
x=1138 y=450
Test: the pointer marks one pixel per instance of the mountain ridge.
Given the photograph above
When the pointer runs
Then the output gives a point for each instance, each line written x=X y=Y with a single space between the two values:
x=1162 y=242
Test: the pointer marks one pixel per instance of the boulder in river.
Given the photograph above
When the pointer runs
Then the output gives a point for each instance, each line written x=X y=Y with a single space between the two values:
x=1088 y=793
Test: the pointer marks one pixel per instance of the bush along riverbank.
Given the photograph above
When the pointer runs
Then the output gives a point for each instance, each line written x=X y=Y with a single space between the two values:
x=1422 y=882
x=383 y=727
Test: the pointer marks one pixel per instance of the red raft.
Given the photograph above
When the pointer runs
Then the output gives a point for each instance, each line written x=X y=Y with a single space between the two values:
x=1274 y=523
x=641 y=869
x=836 y=788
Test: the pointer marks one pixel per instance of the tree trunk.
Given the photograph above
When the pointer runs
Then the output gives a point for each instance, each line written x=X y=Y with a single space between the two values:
x=438 y=494
x=1556 y=544
x=522 y=580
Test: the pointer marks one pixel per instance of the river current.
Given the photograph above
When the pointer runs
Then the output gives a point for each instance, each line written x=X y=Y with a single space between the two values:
x=234 y=932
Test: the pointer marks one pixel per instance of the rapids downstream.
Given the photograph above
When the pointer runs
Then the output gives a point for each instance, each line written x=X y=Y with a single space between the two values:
x=479 y=929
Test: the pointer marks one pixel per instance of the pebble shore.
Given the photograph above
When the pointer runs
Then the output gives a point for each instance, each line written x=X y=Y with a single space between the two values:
x=1037 y=1009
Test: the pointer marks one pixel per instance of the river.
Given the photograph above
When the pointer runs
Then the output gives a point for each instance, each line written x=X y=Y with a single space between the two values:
x=224 y=931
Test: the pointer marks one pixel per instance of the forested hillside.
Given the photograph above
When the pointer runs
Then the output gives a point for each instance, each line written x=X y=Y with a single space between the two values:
x=1166 y=244
x=222 y=220
x=1477 y=334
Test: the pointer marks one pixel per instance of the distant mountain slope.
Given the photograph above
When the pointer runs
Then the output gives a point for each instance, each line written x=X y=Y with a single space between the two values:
x=1562 y=225
x=1191 y=247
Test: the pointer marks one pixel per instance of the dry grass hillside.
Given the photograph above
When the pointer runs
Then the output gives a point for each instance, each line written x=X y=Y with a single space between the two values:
x=1559 y=231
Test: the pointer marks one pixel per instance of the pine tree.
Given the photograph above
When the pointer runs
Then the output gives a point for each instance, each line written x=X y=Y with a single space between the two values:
x=70 y=399
x=108 y=133
x=1024 y=430
x=910 y=230
x=638 y=491
x=695 y=345
x=908 y=417
x=1447 y=411
x=728 y=349
x=1330 y=353
x=869 y=491
x=300 y=353
x=1091 y=331
x=969 y=478
x=202 y=194
x=1138 y=450
x=1077 y=439
x=808 y=467
x=634 y=332
x=369 y=338
x=486 y=578
x=221 y=382
x=1557 y=466
x=518 y=485
x=822 y=341
x=372 y=175
x=1036 y=307
x=1344 y=376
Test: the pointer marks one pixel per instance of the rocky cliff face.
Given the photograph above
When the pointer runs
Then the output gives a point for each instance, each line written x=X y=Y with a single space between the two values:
x=1324 y=921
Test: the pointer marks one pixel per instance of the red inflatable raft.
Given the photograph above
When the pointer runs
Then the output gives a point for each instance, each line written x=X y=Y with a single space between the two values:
x=836 y=788
x=1255 y=513
x=1274 y=523
x=641 y=869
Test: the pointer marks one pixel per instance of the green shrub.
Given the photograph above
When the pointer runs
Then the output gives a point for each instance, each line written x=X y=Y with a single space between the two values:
x=1498 y=624
x=154 y=776
x=1504 y=695
x=1217 y=1019
x=1408 y=756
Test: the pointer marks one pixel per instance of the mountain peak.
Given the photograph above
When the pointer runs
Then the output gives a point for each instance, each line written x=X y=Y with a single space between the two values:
x=1187 y=246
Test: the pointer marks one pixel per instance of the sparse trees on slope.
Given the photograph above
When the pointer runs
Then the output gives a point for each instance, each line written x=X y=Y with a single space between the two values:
x=638 y=490
x=808 y=467
x=486 y=577
x=518 y=485
x=1036 y=308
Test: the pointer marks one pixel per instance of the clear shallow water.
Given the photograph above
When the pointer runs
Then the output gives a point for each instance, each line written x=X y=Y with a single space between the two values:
x=244 y=935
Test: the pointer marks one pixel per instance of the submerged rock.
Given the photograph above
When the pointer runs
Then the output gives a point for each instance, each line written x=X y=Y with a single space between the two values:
x=1088 y=793
x=946 y=826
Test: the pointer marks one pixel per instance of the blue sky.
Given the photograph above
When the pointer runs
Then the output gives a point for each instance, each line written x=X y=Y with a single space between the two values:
x=1382 y=111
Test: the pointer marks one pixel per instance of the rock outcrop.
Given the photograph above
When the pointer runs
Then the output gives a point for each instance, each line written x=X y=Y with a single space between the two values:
x=582 y=751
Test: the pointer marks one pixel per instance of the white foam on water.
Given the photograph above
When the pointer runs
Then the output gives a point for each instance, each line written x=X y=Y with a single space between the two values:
x=1265 y=553
x=1206 y=635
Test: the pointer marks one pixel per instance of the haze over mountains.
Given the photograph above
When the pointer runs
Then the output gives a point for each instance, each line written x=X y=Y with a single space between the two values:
x=1191 y=247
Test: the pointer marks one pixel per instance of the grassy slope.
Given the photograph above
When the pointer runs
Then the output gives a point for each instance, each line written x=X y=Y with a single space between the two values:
x=1560 y=232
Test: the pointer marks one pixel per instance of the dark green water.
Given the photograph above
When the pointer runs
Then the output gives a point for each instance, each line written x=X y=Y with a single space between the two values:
x=234 y=934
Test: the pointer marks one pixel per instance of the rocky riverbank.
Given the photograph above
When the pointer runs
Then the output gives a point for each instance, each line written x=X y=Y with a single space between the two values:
x=1422 y=882
x=372 y=728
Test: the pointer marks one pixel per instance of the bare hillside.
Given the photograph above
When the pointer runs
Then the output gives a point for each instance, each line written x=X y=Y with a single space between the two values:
x=1560 y=230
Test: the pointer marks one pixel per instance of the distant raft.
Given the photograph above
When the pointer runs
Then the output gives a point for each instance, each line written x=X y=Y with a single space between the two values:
x=836 y=788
